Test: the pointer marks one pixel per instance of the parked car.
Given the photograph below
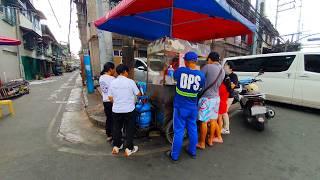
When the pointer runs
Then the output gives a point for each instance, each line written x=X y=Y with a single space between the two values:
x=58 y=71
x=292 y=77
x=69 y=68
x=140 y=69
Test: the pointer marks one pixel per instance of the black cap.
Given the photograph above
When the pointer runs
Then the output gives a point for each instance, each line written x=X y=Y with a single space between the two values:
x=214 y=56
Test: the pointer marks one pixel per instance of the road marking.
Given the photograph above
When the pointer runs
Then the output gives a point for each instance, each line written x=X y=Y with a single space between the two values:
x=54 y=119
x=51 y=125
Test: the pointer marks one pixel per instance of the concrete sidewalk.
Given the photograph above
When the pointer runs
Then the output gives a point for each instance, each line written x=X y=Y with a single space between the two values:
x=94 y=108
x=75 y=126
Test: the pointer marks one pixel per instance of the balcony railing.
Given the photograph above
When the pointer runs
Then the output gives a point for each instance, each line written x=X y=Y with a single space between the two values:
x=30 y=24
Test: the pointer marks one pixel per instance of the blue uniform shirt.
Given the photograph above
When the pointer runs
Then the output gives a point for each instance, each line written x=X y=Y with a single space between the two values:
x=189 y=84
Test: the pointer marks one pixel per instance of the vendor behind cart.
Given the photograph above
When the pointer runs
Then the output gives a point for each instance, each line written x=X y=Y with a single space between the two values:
x=189 y=83
x=174 y=64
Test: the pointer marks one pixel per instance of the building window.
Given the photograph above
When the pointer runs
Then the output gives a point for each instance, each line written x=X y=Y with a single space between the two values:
x=117 y=42
x=9 y=15
x=117 y=53
x=312 y=63
x=142 y=53
x=29 y=42
x=36 y=23
x=244 y=38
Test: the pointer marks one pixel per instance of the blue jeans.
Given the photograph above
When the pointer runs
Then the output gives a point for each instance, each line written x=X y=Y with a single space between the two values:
x=184 y=118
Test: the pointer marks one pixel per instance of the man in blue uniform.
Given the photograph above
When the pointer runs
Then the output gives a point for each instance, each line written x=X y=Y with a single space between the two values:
x=190 y=82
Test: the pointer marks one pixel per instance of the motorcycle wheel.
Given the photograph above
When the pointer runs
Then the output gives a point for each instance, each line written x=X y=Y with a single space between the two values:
x=270 y=113
x=168 y=130
x=260 y=126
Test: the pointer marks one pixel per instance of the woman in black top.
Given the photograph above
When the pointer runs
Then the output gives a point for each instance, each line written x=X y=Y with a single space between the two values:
x=228 y=67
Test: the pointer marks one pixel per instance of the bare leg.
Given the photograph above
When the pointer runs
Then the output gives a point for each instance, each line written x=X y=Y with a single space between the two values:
x=226 y=121
x=218 y=139
x=220 y=121
x=203 y=133
x=212 y=131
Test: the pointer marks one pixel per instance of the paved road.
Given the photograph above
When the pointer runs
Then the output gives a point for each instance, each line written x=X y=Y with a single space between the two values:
x=29 y=149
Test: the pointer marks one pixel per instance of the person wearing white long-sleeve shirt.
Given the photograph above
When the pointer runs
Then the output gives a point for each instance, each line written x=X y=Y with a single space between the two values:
x=107 y=76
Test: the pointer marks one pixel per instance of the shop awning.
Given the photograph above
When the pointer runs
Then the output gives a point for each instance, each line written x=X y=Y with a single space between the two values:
x=192 y=20
x=9 y=41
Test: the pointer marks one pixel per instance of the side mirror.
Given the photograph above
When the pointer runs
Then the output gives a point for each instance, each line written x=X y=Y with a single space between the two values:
x=142 y=68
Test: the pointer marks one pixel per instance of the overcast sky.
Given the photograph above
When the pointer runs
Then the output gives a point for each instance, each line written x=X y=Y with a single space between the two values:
x=288 y=20
x=61 y=9
x=287 y=23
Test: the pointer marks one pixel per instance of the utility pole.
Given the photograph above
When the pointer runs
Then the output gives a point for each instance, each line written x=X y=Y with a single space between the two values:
x=299 y=22
x=105 y=38
x=277 y=15
x=255 y=39
x=21 y=68
x=128 y=54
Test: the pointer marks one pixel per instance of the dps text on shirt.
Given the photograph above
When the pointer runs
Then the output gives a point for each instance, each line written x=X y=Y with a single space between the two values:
x=189 y=84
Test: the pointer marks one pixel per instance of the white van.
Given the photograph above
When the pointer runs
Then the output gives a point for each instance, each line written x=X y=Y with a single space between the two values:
x=292 y=77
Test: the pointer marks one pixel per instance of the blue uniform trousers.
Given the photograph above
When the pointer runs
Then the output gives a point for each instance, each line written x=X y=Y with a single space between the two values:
x=184 y=119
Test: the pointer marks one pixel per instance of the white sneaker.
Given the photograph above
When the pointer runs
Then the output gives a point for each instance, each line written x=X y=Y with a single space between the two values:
x=129 y=152
x=115 y=149
x=225 y=131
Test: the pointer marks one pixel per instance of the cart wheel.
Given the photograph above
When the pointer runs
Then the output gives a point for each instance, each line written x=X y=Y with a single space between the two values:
x=169 y=132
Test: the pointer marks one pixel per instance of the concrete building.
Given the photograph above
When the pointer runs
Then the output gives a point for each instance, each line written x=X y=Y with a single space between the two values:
x=39 y=53
x=9 y=59
x=98 y=44
x=22 y=21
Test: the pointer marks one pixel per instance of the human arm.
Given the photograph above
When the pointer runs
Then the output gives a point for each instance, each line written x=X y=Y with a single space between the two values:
x=203 y=81
x=135 y=89
x=110 y=93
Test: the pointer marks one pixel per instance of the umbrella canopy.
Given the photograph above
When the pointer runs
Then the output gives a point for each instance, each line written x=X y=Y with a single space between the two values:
x=192 y=20
x=9 y=41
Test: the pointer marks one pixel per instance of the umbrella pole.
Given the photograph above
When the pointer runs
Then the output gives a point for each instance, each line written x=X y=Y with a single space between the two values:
x=128 y=55
x=18 y=47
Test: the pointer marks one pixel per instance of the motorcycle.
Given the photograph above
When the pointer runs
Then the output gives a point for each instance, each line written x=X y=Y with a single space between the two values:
x=252 y=102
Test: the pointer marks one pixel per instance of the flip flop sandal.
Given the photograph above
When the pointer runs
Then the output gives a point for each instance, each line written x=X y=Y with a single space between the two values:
x=201 y=148
x=217 y=140
x=210 y=144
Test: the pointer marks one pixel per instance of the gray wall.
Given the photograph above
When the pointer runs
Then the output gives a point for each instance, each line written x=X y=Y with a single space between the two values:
x=9 y=63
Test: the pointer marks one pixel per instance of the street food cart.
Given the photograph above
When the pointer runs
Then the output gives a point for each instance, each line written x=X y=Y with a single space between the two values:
x=161 y=88
x=189 y=20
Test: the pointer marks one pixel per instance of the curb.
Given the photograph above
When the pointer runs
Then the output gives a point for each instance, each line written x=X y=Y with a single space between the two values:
x=95 y=120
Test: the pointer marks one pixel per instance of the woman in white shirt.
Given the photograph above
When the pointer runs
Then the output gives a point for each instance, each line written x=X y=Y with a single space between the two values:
x=107 y=76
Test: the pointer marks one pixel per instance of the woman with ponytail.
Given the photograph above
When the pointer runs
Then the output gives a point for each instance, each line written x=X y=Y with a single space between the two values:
x=107 y=76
